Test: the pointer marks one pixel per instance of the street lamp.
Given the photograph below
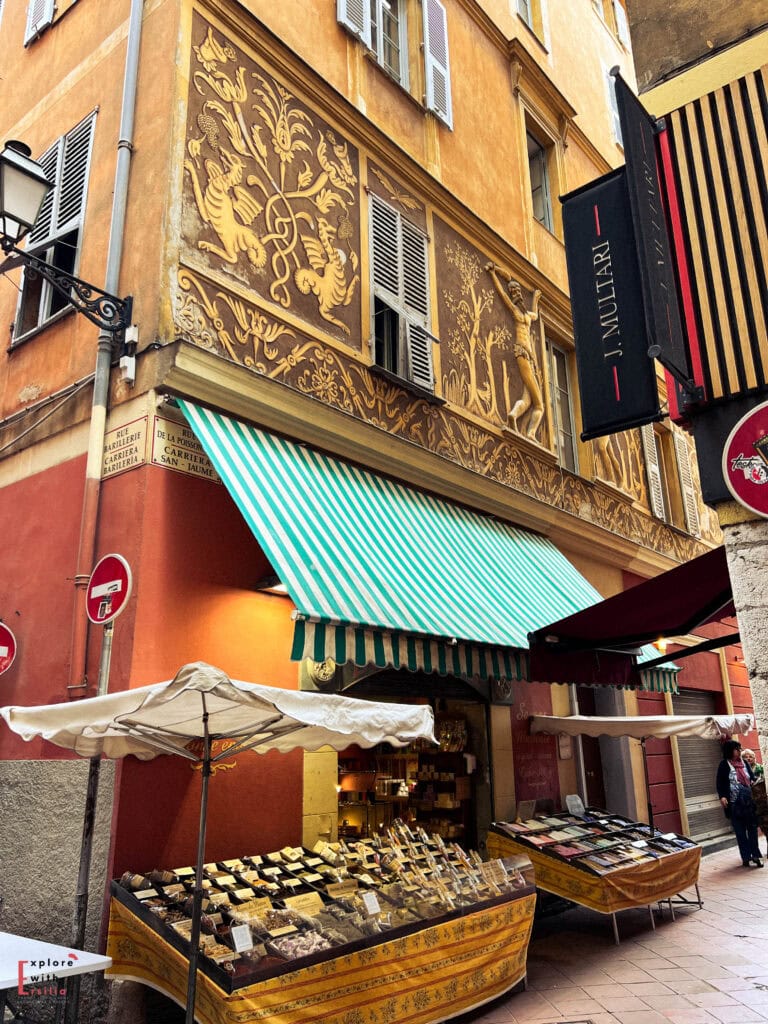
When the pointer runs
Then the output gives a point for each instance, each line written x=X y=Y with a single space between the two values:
x=23 y=189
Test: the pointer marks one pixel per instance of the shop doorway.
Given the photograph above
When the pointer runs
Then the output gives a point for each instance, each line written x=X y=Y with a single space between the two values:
x=699 y=759
x=590 y=750
x=446 y=791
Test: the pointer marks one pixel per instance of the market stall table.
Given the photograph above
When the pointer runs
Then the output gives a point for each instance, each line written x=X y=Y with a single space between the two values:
x=621 y=886
x=422 y=974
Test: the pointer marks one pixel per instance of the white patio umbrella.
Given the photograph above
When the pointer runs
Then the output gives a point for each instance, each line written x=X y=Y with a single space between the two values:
x=203 y=703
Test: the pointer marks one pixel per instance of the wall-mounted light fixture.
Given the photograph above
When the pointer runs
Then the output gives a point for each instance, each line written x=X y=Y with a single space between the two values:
x=271 y=585
x=23 y=190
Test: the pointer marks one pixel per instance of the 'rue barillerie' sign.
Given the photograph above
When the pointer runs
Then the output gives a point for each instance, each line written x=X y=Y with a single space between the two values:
x=617 y=378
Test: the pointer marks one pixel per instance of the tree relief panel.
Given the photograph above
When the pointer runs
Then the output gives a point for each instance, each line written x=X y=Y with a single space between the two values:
x=491 y=355
x=270 y=190
x=239 y=330
x=619 y=463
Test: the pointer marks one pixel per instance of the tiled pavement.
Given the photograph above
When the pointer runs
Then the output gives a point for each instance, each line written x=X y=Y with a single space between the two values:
x=709 y=966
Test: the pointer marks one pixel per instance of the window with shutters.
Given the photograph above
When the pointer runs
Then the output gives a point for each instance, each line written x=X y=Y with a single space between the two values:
x=382 y=27
x=39 y=16
x=672 y=492
x=539 y=175
x=531 y=13
x=562 y=406
x=613 y=108
x=614 y=15
x=400 y=339
x=56 y=235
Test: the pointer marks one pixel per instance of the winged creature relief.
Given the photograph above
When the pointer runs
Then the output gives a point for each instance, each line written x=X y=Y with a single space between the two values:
x=229 y=209
x=275 y=188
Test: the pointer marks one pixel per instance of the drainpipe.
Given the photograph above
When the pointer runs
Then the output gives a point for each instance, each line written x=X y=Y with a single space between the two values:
x=90 y=512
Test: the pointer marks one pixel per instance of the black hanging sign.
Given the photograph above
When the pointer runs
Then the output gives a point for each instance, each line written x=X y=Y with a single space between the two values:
x=665 y=333
x=617 y=378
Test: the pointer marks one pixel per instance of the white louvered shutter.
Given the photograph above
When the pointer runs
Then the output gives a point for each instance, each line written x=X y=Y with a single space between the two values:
x=653 y=471
x=355 y=16
x=385 y=251
x=436 y=63
x=39 y=16
x=690 y=498
x=613 y=106
x=416 y=300
x=74 y=176
x=66 y=165
x=44 y=228
x=622 y=23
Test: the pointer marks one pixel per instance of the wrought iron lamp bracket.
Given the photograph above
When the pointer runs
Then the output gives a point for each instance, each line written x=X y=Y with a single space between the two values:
x=104 y=310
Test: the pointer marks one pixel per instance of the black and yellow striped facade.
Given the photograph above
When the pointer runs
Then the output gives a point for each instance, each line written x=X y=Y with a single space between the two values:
x=718 y=147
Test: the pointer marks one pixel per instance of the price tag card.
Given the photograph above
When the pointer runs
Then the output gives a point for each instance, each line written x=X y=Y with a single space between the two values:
x=669 y=835
x=243 y=894
x=213 y=866
x=145 y=894
x=255 y=859
x=233 y=865
x=337 y=890
x=173 y=890
x=371 y=903
x=310 y=903
x=288 y=930
x=241 y=937
x=271 y=872
x=295 y=866
x=226 y=880
x=312 y=862
x=313 y=878
x=638 y=843
x=184 y=872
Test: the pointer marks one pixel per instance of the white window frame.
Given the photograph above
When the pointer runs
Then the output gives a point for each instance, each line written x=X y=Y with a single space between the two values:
x=67 y=163
x=524 y=12
x=562 y=392
x=540 y=159
x=399 y=260
x=399 y=74
x=658 y=489
x=39 y=16
x=622 y=24
x=687 y=488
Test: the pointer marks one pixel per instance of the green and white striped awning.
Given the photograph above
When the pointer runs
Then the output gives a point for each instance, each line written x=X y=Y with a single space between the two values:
x=382 y=574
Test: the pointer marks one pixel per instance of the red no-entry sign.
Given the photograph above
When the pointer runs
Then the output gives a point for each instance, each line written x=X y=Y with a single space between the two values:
x=108 y=589
x=7 y=648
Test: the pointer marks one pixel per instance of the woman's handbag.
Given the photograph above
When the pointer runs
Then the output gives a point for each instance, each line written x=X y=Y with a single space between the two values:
x=742 y=805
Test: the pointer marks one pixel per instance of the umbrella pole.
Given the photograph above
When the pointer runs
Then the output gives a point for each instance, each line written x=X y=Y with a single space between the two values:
x=647 y=785
x=197 y=899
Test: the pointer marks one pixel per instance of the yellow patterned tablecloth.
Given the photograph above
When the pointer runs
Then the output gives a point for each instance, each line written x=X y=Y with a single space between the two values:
x=421 y=978
x=636 y=886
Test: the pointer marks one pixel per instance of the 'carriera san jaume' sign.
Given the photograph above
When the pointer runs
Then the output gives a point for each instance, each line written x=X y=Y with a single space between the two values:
x=170 y=444
x=617 y=378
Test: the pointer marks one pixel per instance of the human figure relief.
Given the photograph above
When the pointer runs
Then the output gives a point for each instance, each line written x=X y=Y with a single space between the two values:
x=328 y=278
x=525 y=356
x=229 y=209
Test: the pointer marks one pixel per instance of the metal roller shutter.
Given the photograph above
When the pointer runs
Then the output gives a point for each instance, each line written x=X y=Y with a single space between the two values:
x=699 y=759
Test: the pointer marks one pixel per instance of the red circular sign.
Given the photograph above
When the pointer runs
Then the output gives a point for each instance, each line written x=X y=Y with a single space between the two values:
x=745 y=460
x=108 y=589
x=7 y=648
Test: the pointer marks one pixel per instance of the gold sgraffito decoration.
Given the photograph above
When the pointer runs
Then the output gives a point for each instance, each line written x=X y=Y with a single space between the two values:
x=619 y=462
x=217 y=747
x=213 y=319
x=273 y=187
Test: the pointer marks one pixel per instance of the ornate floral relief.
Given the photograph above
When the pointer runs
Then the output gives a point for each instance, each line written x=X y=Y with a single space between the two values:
x=274 y=189
x=240 y=331
x=619 y=462
x=394 y=193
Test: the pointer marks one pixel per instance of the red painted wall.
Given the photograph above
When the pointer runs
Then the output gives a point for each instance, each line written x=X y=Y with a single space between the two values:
x=535 y=757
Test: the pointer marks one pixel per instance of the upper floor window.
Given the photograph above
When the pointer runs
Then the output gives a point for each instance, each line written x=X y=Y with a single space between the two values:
x=562 y=406
x=614 y=14
x=400 y=338
x=56 y=236
x=538 y=172
x=524 y=10
x=39 y=16
x=382 y=27
x=672 y=494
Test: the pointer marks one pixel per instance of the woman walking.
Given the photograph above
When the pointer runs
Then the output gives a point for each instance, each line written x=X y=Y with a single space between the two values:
x=734 y=787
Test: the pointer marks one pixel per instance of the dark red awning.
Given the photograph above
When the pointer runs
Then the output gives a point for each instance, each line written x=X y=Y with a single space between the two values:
x=592 y=645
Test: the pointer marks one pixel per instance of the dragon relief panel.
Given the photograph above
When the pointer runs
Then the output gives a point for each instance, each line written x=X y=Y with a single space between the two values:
x=270 y=190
